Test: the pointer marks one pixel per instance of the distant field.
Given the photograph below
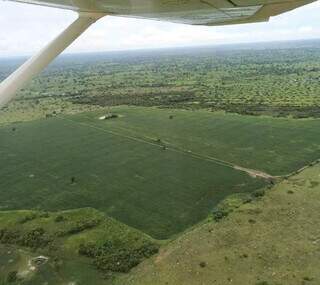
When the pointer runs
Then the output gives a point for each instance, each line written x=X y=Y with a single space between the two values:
x=160 y=191
x=276 y=146
x=277 y=79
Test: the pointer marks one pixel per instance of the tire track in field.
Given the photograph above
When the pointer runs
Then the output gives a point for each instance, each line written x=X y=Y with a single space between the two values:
x=173 y=148
x=251 y=172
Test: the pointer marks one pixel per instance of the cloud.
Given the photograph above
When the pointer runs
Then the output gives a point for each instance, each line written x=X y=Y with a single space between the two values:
x=24 y=29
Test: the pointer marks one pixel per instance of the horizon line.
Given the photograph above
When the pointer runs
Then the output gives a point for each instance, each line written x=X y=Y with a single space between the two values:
x=165 y=48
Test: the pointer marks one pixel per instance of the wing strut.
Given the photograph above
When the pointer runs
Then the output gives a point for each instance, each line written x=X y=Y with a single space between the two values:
x=10 y=86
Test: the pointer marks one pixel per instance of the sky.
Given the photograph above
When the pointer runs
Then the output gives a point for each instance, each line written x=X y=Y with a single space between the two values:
x=24 y=29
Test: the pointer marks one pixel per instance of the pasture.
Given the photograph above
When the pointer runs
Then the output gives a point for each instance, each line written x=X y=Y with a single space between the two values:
x=80 y=161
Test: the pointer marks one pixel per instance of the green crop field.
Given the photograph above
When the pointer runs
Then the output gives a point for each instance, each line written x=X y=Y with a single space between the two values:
x=277 y=146
x=66 y=163
x=152 y=169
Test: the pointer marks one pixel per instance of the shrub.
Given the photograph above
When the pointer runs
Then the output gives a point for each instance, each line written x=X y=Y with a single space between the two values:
x=59 y=219
x=28 y=218
x=202 y=264
x=9 y=236
x=259 y=193
x=83 y=225
x=88 y=250
x=36 y=238
x=73 y=180
x=12 y=277
x=121 y=261
x=115 y=256
x=219 y=214
x=148 y=249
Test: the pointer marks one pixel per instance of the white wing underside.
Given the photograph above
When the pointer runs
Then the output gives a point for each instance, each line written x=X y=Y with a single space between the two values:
x=194 y=12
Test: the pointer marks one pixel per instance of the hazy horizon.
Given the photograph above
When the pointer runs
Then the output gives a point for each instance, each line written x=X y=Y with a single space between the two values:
x=230 y=46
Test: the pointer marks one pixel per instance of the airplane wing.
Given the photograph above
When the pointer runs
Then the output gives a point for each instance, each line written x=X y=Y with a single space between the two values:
x=194 y=12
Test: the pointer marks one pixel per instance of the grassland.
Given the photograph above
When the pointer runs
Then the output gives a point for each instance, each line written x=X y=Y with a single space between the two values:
x=269 y=242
